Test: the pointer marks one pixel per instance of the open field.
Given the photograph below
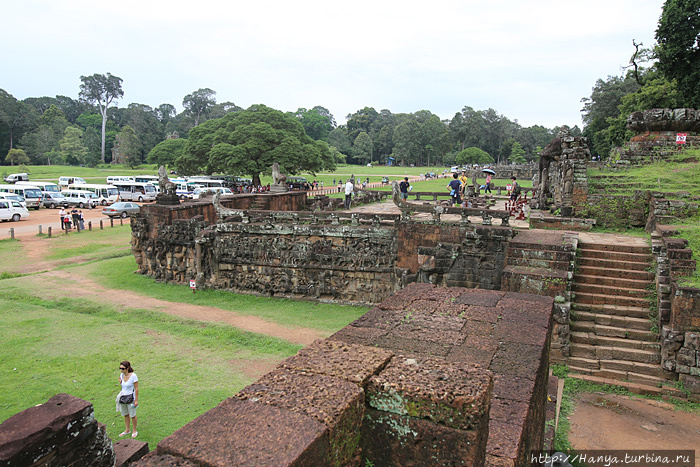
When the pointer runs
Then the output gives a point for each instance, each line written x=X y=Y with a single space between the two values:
x=72 y=309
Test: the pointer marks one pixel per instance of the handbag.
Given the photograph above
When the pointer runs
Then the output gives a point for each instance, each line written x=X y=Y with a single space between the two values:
x=452 y=193
x=126 y=399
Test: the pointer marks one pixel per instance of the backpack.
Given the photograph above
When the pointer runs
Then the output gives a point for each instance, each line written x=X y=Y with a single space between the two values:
x=516 y=190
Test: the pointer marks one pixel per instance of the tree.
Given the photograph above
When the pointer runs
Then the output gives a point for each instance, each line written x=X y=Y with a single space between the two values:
x=362 y=149
x=249 y=142
x=517 y=154
x=43 y=142
x=167 y=152
x=16 y=156
x=144 y=120
x=407 y=141
x=199 y=103
x=101 y=90
x=73 y=151
x=127 y=148
x=678 y=51
x=473 y=156
x=16 y=116
x=317 y=122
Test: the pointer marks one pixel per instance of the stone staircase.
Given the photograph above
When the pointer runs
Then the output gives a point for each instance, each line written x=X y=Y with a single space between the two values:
x=611 y=333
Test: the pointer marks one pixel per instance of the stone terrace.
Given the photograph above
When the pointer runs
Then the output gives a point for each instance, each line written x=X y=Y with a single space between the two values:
x=431 y=376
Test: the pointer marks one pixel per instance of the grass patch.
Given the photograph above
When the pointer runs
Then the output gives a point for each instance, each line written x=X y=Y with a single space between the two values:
x=185 y=367
x=328 y=318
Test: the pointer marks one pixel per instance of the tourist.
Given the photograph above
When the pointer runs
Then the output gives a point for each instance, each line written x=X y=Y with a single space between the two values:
x=128 y=397
x=488 y=184
x=81 y=219
x=62 y=215
x=404 y=186
x=349 y=189
x=514 y=189
x=464 y=181
x=455 y=187
x=76 y=218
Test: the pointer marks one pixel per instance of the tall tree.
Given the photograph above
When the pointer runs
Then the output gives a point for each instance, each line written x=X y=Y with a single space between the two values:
x=317 y=122
x=16 y=116
x=101 y=90
x=166 y=152
x=199 y=103
x=127 y=148
x=678 y=52
x=73 y=151
x=249 y=142
x=362 y=149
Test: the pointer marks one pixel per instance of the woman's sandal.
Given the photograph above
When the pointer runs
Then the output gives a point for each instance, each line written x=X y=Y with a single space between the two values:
x=124 y=433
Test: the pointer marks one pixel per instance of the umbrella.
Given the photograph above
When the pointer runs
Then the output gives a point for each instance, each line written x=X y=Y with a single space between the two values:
x=489 y=171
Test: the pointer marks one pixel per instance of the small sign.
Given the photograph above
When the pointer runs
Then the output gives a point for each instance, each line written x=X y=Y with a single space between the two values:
x=680 y=138
x=193 y=285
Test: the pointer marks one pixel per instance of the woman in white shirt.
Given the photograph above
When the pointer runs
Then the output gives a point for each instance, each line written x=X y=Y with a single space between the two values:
x=130 y=394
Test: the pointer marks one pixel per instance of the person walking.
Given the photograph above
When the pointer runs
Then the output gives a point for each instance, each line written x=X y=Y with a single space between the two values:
x=81 y=219
x=514 y=189
x=487 y=189
x=404 y=186
x=349 y=189
x=455 y=187
x=128 y=397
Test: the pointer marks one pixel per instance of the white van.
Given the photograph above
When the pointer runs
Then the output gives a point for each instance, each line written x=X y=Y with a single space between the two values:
x=106 y=194
x=113 y=179
x=11 y=210
x=80 y=198
x=45 y=187
x=63 y=182
x=14 y=178
x=13 y=197
x=31 y=194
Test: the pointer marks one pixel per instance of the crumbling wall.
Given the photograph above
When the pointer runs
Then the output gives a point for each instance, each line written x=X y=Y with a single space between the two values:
x=431 y=376
x=328 y=256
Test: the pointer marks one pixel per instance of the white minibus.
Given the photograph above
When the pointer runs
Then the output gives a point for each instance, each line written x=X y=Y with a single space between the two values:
x=146 y=178
x=114 y=179
x=136 y=191
x=106 y=194
x=31 y=194
x=207 y=182
x=43 y=186
x=63 y=182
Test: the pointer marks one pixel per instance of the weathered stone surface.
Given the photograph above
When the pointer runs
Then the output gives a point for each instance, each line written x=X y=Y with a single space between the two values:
x=62 y=431
x=129 y=450
x=358 y=335
x=517 y=360
x=156 y=460
x=247 y=433
x=455 y=395
x=351 y=362
x=397 y=440
x=335 y=402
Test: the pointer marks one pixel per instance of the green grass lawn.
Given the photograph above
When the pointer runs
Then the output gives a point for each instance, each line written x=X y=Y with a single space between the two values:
x=52 y=345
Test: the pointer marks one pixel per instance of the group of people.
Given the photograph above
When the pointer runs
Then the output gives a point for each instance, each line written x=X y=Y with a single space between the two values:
x=73 y=219
x=458 y=185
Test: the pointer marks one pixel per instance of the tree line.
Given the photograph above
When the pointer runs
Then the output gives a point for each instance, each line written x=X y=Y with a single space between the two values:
x=92 y=129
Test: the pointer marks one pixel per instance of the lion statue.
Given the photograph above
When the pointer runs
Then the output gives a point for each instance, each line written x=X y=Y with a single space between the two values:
x=279 y=178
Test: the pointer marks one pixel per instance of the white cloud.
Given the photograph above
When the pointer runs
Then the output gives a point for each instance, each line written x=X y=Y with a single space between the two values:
x=531 y=61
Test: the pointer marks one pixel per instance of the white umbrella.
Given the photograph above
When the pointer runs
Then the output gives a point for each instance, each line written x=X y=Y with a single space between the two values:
x=489 y=171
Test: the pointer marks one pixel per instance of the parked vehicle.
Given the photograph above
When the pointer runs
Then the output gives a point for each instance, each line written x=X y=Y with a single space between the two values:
x=13 y=197
x=146 y=178
x=80 y=198
x=14 y=178
x=63 y=182
x=45 y=187
x=54 y=200
x=136 y=191
x=297 y=183
x=114 y=179
x=121 y=209
x=11 y=210
x=105 y=194
x=31 y=194
x=199 y=192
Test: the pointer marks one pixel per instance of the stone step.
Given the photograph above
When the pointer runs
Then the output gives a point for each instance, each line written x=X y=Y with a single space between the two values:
x=537 y=263
x=612 y=281
x=602 y=263
x=611 y=272
x=615 y=291
x=648 y=369
x=614 y=310
x=625 y=322
x=614 y=331
x=591 y=338
x=621 y=376
x=636 y=388
x=642 y=249
x=602 y=352
x=602 y=299
x=645 y=257
x=548 y=255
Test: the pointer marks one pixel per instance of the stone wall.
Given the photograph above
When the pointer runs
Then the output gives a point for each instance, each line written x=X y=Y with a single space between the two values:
x=338 y=257
x=431 y=376
x=62 y=431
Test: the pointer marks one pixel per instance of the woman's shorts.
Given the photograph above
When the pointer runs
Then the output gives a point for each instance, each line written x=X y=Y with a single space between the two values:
x=127 y=409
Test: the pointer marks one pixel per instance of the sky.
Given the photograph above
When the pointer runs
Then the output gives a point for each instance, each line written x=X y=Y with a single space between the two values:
x=531 y=61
